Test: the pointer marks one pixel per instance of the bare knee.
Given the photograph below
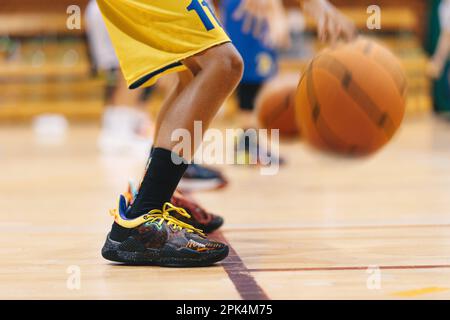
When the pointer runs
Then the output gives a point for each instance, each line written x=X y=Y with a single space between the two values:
x=230 y=63
x=224 y=59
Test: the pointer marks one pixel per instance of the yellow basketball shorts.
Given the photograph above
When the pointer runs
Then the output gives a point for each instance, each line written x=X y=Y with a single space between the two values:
x=152 y=37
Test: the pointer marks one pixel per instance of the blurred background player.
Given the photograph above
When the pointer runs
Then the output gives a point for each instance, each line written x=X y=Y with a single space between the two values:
x=440 y=56
x=438 y=62
x=126 y=125
x=439 y=48
x=257 y=39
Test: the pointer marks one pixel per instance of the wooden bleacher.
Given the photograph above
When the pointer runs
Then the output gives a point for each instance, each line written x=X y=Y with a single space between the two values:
x=31 y=24
x=47 y=70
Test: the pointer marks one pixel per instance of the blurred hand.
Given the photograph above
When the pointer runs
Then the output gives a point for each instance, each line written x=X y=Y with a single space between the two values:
x=331 y=24
x=266 y=20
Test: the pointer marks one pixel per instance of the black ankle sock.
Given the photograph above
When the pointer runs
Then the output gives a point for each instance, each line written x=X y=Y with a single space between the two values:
x=163 y=174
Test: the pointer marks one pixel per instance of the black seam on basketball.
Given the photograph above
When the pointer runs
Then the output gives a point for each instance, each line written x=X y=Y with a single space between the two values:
x=358 y=95
x=324 y=131
x=382 y=121
x=353 y=150
x=279 y=111
x=346 y=80
x=316 y=112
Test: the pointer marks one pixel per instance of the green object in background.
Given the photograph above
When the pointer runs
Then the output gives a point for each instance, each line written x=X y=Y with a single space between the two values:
x=441 y=87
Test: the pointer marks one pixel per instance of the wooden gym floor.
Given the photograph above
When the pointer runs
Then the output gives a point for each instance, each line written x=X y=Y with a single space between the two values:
x=309 y=232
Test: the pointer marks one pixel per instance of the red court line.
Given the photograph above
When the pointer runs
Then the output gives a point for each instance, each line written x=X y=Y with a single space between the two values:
x=287 y=228
x=239 y=274
x=405 y=267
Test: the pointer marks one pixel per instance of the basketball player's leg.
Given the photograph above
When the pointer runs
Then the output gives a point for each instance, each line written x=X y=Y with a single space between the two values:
x=151 y=231
x=196 y=177
x=246 y=95
x=217 y=72
x=183 y=79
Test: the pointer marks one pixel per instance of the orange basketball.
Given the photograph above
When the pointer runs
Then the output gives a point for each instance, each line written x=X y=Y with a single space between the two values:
x=275 y=104
x=351 y=99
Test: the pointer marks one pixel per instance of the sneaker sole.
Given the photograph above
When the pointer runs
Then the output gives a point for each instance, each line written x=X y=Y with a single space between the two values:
x=111 y=251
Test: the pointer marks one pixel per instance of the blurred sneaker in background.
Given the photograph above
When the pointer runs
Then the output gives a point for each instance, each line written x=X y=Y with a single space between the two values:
x=198 y=178
x=125 y=130
x=250 y=152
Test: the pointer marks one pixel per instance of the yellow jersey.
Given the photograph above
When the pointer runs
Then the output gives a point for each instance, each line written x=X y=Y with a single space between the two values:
x=152 y=37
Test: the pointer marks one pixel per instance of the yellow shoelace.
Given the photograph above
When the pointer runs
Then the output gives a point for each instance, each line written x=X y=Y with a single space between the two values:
x=165 y=215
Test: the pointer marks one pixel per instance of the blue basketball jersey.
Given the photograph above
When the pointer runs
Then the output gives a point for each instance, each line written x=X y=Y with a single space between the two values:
x=260 y=60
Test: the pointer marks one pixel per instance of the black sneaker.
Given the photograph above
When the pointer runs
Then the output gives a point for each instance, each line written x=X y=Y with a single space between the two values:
x=250 y=152
x=157 y=238
x=198 y=177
